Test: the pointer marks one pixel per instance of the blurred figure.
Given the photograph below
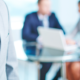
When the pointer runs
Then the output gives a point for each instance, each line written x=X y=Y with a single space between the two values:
x=43 y=17
x=77 y=28
x=73 y=69
x=75 y=31
x=8 y=60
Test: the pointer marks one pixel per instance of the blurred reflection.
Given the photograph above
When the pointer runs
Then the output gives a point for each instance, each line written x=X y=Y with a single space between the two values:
x=43 y=17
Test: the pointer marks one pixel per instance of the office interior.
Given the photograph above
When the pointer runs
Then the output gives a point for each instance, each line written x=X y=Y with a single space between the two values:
x=68 y=16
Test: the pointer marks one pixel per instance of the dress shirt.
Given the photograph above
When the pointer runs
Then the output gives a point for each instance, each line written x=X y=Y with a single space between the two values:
x=44 y=19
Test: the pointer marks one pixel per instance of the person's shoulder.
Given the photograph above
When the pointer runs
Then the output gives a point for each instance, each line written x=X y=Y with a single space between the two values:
x=52 y=14
x=31 y=14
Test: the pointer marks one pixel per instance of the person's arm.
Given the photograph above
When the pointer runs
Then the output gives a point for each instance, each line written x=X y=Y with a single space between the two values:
x=69 y=37
x=27 y=30
x=68 y=41
x=74 y=32
x=11 y=62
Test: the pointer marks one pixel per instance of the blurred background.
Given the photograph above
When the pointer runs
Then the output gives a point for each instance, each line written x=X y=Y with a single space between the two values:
x=67 y=13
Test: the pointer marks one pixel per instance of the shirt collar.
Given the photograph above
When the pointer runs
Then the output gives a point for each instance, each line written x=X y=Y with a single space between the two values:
x=42 y=17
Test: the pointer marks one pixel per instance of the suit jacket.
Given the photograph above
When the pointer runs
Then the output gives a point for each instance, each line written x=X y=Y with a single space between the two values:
x=8 y=61
x=30 y=33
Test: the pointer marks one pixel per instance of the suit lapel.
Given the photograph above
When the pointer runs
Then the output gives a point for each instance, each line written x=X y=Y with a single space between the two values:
x=50 y=21
x=39 y=21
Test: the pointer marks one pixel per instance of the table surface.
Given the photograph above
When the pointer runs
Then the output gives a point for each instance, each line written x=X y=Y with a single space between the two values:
x=48 y=55
x=52 y=55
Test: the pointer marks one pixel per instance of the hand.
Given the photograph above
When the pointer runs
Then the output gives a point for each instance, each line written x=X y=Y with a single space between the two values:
x=70 y=42
x=39 y=39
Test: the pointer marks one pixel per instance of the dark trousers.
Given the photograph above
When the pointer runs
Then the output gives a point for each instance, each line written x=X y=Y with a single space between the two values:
x=45 y=66
x=45 y=69
x=58 y=75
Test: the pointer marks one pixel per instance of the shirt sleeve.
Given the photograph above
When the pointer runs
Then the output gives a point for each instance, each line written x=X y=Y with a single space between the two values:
x=11 y=62
x=27 y=30
x=74 y=31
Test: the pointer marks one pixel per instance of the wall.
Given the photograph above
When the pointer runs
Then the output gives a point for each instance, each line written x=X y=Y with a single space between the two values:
x=66 y=11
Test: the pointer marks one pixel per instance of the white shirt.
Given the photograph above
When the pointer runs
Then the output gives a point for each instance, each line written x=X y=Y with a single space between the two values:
x=44 y=19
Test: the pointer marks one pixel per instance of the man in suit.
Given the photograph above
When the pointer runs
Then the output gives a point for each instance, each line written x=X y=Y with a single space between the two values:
x=44 y=18
x=8 y=61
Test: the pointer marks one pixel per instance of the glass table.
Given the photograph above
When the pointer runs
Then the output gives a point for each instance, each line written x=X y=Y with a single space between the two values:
x=57 y=56
x=49 y=55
